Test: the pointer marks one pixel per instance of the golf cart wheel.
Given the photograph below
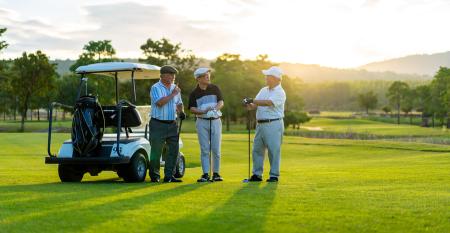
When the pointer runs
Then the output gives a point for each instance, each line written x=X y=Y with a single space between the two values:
x=181 y=166
x=136 y=170
x=69 y=173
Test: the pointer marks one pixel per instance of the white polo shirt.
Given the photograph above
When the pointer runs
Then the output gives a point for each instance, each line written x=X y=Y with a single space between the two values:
x=278 y=98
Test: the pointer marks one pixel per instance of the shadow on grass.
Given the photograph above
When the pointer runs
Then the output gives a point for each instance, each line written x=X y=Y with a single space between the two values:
x=245 y=211
x=87 y=204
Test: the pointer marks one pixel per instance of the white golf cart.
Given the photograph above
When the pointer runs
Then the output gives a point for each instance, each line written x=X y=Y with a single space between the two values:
x=127 y=151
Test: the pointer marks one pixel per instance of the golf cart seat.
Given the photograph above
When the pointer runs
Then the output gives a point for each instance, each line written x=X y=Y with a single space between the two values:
x=130 y=116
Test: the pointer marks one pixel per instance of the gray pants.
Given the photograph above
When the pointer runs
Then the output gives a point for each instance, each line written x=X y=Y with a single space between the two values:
x=163 y=134
x=203 y=128
x=268 y=136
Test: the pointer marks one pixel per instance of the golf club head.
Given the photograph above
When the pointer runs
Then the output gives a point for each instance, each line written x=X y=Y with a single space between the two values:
x=210 y=180
x=245 y=181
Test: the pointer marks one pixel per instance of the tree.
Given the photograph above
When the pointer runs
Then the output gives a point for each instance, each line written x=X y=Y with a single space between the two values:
x=68 y=85
x=440 y=92
x=93 y=52
x=33 y=76
x=164 y=52
x=386 y=109
x=3 y=43
x=396 y=94
x=295 y=119
x=97 y=52
x=229 y=76
x=367 y=101
x=100 y=48
x=423 y=102
x=408 y=103
x=161 y=52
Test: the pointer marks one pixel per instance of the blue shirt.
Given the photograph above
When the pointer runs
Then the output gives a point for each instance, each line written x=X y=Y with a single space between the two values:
x=168 y=111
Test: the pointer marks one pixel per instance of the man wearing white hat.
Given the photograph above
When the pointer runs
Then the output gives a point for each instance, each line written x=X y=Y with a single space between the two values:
x=205 y=101
x=269 y=105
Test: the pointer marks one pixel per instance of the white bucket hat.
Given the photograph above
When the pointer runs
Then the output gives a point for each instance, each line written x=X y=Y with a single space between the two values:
x=201 y=71
x=273 y=71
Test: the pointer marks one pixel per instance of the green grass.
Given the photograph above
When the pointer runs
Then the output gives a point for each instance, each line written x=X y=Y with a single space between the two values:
x=32 y=126
x=373 y=127
x=325 y=186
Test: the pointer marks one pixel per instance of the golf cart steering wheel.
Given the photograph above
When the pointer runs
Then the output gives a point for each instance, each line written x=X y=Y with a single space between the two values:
x=126 y=103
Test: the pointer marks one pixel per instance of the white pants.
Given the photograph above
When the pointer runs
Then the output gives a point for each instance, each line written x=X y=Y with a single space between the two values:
x=203 y=132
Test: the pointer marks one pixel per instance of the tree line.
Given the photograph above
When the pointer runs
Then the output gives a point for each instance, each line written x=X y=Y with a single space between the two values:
x=30 y=81
x=432 y=100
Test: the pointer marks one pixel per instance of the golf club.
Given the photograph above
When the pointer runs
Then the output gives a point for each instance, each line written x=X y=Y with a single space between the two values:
x=248 y=127
x=210 y=148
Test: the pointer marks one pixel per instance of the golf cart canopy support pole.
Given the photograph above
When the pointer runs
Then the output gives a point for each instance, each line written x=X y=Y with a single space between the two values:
x=117 y=88
x=82 y=79
x=133 y=82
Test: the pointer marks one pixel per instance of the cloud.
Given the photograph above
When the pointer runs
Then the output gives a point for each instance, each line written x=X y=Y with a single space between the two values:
x=371 y=3
x=32 y=35
x=129 y=25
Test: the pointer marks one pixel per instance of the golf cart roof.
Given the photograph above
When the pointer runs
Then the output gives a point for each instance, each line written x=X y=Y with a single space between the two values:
x=123 y=69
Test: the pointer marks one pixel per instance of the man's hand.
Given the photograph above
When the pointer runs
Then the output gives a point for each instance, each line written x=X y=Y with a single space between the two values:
x=176 y=90
x=250 y=106
x=247 y=100
x=182 y=115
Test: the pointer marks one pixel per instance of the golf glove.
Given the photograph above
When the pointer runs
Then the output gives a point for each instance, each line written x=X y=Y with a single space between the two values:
x=213 y=114
x=247 y=100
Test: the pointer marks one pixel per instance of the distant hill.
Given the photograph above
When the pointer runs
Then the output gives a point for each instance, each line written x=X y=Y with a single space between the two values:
x=63 y=66
x=316 y=73
x=425 y=64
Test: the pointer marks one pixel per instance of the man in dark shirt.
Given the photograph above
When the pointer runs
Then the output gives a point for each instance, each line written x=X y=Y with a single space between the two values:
x=205 y=101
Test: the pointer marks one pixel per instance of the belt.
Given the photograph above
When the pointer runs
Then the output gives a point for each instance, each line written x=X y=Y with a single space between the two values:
x=268 y=120
x=211 y=118
x=163 y=121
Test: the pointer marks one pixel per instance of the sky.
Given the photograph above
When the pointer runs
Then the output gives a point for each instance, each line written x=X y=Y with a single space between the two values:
x=335 y=33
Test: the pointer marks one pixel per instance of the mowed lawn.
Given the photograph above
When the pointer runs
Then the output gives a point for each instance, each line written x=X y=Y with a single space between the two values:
x=325 y=186
x=377 y=128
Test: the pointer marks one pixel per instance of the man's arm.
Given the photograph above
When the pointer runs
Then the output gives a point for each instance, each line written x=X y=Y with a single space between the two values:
x=263 y=102
x=197 y=111
x=161 y=102
x=180 y=108
x=219 y=105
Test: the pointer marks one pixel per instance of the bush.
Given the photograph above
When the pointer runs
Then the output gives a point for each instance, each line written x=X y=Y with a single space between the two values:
x=295 y=119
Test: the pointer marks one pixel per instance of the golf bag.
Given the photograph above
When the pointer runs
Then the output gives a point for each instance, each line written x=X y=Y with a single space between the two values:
x=87 y=125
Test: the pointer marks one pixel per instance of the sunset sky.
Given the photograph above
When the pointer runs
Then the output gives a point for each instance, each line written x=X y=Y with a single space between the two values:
x=336 y=33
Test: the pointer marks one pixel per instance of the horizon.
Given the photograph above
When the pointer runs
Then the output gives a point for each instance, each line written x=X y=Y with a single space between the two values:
x=352 y=33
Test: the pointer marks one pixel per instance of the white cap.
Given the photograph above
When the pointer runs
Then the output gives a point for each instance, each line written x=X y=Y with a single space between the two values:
x=201 y=71
x=273 y=71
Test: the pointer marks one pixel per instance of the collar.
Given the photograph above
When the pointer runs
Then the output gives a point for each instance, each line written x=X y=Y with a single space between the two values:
x=162 y=84
x=274 y=88
x=198 y=87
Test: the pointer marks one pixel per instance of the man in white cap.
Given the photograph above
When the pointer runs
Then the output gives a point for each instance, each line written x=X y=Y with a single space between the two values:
x=205 y=101
x=269 y=105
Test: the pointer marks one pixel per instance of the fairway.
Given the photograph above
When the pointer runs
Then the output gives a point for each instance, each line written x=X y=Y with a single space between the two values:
x=325 y=186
